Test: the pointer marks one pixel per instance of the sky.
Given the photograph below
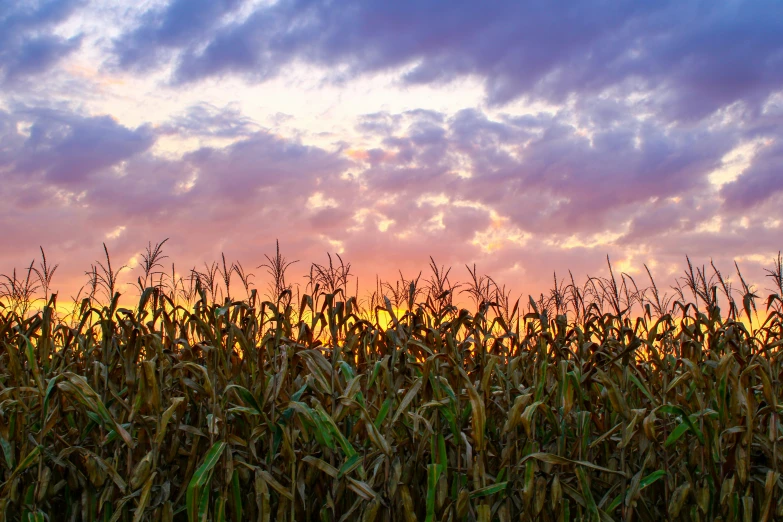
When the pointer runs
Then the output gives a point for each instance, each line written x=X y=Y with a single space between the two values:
x=526 y=138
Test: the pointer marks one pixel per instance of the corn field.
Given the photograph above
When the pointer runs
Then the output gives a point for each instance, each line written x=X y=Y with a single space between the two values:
x=601 y=401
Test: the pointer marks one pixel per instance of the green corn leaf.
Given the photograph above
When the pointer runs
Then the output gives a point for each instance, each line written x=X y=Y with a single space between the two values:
x=202 y=476
x=433 y=475
x=246 y=396
x=675 y=435
x=646 y=481
x=489 y=490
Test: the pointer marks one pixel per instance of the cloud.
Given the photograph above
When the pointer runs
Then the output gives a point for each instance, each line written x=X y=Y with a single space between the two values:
x=543 y=172
x=760 y=182
x=205 y=119
x=521 y=196
x=27 y=45
x=642 y=102
x=66 y=149
x=587 y=180
x=664 y=216
x=689 y=60
x=264 y=166
x=69 y=197
x=160 y=31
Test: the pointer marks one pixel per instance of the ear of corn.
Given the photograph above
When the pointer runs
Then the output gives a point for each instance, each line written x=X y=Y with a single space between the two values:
x=239 y=409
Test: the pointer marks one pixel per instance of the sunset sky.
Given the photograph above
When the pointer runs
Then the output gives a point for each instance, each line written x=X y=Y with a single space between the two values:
x=524 y=137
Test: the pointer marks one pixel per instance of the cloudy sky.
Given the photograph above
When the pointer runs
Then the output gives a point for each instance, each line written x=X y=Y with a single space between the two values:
x=525 y=137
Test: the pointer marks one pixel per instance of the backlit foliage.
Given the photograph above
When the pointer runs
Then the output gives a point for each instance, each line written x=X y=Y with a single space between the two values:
x=603 y=401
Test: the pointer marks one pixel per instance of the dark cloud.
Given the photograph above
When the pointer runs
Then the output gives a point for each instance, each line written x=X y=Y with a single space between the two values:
x=672 y=216
x=66 y=149
x=693 y=57
x=544 y=172
x=179 y=24
x=27 y=45
x=762 y=180
x=264 y=168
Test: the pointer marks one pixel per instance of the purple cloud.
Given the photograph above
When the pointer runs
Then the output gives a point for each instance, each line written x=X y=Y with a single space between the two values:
x=205 y=119
x=67 y=149
x=762 y=181
x=26 y=44
x=464 y=185
x=545 y=173
x=161 y=30
x=694 y=58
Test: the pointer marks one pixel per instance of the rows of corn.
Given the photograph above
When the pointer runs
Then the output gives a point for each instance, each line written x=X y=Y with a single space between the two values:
x=317 y=407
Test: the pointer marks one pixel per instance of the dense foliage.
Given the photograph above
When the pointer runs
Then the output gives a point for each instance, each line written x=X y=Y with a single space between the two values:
x=316 y=406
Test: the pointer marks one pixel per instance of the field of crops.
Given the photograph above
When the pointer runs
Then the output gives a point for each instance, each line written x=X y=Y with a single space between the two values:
x=206 y=400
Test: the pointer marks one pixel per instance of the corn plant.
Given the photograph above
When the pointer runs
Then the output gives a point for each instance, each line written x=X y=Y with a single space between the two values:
x=575 y=407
